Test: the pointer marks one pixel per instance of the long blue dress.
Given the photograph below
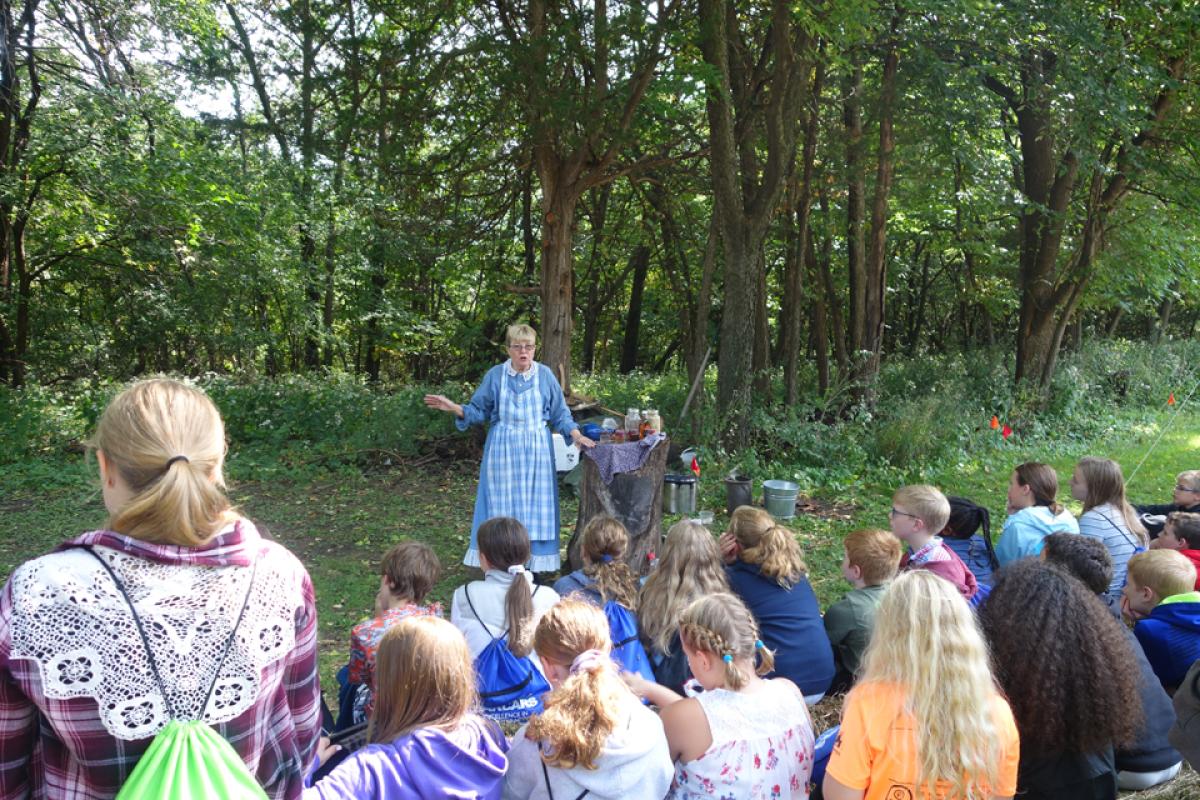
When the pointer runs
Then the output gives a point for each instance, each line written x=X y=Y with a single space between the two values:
x=516 y=477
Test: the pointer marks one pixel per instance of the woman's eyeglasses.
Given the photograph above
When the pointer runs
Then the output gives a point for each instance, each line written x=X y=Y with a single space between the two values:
x=521 y=348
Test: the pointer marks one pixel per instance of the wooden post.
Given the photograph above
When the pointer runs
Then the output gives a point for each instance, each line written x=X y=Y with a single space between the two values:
x=634 y=498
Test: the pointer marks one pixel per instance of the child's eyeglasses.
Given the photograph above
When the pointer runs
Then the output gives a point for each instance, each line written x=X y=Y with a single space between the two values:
x=1179 y=487
x=895 y=512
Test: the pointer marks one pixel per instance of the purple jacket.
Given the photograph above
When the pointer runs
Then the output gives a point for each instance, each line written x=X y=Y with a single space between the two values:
x=468 y=762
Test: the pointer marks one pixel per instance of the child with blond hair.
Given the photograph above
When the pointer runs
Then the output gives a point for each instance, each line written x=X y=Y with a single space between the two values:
x=743 y=736
x=1160 y=597
x=918 y=513
x=767 y=571
x=925 y=718
x=1184 y=497
x=689 y=567
x=595 y=737
x=871 y=559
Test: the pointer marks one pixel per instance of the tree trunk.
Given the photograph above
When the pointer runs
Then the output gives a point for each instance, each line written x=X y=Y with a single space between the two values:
x=875 y=289
x=856 y=209
x=640 y=260
x=558 y=278
x=793 y=301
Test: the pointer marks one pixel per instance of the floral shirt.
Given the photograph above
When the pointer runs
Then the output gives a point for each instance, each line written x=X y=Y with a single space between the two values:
x=762 y=747
x=365 y=637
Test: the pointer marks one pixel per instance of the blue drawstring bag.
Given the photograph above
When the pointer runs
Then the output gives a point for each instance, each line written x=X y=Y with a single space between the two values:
x=510 y=687
x=822 y=750
x=627 y=650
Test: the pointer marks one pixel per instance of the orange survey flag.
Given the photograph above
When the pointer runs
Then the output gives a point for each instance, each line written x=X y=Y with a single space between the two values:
x=995 y=422
x=1171 y=399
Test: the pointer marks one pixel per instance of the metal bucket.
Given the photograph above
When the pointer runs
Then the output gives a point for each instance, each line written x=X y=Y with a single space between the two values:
x=738 y=492
x=679 y=494
x=780 y=498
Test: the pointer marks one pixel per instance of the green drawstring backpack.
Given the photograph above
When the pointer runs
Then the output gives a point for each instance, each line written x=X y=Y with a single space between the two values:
x=187 y=758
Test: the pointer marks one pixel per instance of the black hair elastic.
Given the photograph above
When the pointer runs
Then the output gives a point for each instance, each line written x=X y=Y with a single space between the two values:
x=173 y=459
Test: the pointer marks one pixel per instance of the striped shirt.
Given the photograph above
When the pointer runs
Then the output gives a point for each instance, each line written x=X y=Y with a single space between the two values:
x=59 y=747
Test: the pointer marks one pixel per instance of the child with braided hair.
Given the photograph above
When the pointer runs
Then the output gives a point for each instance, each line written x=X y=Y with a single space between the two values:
x=594 y=739
x=743 y=736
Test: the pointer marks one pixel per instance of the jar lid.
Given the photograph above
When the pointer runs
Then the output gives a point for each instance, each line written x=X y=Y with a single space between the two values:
x=681 y=479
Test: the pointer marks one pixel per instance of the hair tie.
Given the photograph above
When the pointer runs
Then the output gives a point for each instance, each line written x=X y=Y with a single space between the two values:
x=727 y=658
x=173 y=459
x=587 y=660
x=758 y=645
x=516 y=569
x=606 y=558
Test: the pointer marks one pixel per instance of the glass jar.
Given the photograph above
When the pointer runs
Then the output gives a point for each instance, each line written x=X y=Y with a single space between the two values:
x=633 y=424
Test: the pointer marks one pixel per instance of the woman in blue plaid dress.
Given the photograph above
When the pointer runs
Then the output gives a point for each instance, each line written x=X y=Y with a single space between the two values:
x=516 y=479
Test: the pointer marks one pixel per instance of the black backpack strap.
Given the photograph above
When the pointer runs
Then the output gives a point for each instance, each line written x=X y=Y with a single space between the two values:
x=479 y=619
x=146 y=641
x=546 y=776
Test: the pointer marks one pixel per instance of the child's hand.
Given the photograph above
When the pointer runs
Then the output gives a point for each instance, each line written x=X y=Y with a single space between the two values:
x=636 y=683
x=1127 y=611
x=729 y=547
x=325 y=750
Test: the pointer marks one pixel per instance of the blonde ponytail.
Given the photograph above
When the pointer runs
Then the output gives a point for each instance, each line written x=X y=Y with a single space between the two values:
x=767 y=544
x=167 y=443
x=584 y=709
x=604 y=544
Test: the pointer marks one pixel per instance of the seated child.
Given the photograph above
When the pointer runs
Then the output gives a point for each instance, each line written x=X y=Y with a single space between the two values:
x=595 y=736
x=1069 y=674
x=1160 y=596
x=918 y=511
x=898 y=733
x=1181 y=533
x=767 y=572
x=689 y=567
x=871 y=560
x=425 y=742
x=1186 y=497
x=408 y=572
x=505 y=602
x=1099 y=484
x=743 y=736
x=605 y=575
x=1033 y=513
x=961 y=535
x=1148 y=759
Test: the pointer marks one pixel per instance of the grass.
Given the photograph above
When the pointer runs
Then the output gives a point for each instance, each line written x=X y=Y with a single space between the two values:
x=340 y=523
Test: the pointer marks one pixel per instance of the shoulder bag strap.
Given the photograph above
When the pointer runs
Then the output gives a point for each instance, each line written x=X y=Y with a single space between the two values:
x=146 y=641
x=479 y=619
x=546 y=777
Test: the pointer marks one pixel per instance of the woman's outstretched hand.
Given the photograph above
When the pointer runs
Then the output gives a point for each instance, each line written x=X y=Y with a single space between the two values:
x=442 y=403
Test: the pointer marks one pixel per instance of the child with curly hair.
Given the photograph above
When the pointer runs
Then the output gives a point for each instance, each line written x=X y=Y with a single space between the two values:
x=925 y=717
x=1071 y=679
x=743 y=736
x=604 y=575
x=594 y=738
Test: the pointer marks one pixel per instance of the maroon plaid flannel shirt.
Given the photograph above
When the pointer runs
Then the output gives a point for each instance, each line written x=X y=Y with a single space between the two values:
x=59 y=750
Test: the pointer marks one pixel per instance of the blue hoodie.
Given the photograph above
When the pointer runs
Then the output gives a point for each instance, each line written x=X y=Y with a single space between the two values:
x=1026 y=530
x=1170 y=637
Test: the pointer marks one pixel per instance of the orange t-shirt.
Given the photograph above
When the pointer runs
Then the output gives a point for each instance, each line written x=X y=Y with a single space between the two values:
x=876 y=748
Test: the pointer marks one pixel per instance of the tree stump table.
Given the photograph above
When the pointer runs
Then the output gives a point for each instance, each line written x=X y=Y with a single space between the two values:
x=634 y=498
